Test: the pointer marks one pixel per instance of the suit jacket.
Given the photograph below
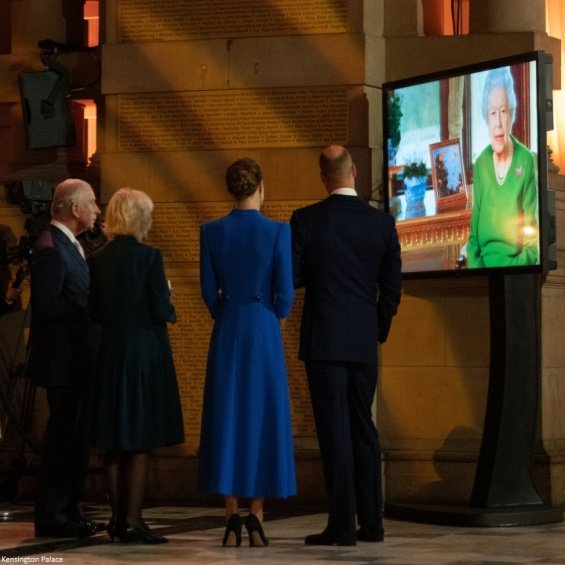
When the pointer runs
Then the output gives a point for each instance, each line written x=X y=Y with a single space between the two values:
x=63 y=339
x=347 y=256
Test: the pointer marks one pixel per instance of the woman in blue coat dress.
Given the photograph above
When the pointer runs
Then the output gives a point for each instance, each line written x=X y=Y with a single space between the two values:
x=246 y=447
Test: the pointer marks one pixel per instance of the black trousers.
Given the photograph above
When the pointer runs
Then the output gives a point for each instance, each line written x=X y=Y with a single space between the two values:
x=64 y=456
x=342 y=394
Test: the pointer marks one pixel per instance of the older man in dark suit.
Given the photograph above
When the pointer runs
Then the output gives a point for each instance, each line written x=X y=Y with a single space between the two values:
x=347 y=257
x=63 y=346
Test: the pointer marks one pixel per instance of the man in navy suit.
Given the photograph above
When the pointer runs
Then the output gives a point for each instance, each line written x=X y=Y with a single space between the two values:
x=347 y=257
x=63 y=347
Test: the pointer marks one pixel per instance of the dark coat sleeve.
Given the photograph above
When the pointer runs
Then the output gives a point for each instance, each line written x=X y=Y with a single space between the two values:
x=162 y=309
x=297 y=251
x=389 y=285
x=53 y=300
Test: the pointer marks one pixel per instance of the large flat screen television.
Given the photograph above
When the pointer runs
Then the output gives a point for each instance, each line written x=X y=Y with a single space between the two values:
x=466 y=167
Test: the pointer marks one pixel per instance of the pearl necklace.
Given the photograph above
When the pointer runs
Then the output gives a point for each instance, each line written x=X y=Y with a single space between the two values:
x=500 y=179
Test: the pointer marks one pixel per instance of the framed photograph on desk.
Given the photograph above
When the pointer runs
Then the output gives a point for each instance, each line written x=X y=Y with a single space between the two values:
x=448 y=175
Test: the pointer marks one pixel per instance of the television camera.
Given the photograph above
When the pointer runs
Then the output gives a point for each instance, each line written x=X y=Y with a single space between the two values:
x=33 y=197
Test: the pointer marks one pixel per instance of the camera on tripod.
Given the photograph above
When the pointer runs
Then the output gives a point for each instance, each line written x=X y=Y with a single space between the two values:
x=15 y=255
x=17 y=394
x=32 y=196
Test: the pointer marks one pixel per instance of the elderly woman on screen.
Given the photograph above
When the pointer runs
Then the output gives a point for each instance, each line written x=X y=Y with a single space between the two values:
x=504 y=226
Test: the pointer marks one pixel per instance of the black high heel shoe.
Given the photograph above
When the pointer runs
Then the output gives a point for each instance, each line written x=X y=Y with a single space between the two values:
x=255 y=530
x=232 y=535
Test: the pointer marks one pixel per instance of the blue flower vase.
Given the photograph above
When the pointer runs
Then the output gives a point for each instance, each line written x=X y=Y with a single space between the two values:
x=414 y=192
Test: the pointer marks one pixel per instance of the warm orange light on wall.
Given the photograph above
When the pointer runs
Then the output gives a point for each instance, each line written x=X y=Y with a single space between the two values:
x=444 y=17
x=555 y=27
x=88 y=107
x=92 y=18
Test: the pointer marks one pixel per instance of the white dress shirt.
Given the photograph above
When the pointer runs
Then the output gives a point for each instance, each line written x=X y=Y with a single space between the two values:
x=69 y=234
x=344 y=191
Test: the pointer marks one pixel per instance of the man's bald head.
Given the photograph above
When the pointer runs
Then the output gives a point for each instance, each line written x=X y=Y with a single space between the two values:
x=337 y=169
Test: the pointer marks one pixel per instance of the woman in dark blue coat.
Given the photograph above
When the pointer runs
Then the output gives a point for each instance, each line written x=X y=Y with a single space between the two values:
x=137 y=399
x=246 y=445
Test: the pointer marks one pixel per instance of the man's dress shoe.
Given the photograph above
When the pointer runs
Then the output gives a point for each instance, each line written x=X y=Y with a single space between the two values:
x=370 y=534
x=71 y=529
x=327 y=538
x=95 y=526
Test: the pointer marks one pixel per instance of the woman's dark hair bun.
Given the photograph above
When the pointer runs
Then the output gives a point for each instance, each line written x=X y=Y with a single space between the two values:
x=243 y=177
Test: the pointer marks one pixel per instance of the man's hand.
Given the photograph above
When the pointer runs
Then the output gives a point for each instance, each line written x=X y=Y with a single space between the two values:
x=12 y=294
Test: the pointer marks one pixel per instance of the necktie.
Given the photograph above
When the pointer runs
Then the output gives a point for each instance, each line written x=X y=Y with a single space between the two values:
x=79 y=247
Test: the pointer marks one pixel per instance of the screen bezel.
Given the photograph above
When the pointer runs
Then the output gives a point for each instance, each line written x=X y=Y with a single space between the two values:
x=543 y=102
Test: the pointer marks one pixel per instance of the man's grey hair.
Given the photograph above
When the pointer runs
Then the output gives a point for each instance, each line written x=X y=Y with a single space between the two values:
x=67 y=193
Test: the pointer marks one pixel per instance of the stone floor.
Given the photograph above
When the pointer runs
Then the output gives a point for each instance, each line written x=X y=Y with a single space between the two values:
x=195 y=537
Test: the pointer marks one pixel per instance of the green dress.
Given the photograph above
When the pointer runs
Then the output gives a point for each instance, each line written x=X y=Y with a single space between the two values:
x=504 y=220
